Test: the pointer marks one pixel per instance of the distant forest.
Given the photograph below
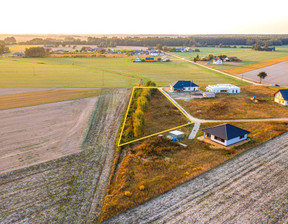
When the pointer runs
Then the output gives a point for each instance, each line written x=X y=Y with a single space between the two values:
x=197 y=41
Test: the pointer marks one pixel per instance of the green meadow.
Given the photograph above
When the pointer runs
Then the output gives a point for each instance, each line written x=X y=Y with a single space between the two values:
x=247 y=56
x=99 y=72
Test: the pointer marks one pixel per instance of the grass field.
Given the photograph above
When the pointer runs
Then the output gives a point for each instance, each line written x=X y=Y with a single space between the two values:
x=147 y=175
x=99 y=72
x=42 y=97
x=238 y=106
x=250 y=59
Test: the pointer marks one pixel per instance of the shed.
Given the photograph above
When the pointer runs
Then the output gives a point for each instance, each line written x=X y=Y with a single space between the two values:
x=225 y=134
x=177 y=134
x=209 y=94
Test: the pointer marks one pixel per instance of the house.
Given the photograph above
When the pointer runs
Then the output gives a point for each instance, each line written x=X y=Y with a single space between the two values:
x=217 y=61
x=176 y=135
x=149 y=60
x=180 y=49
x=182 y=85
x=225 y=134
x=231 y=59
x=19 y=54
x=281 y=97
x=223 y=88
x=60 y=51
x=208 y=94
x=165 y=59
x=138 y=60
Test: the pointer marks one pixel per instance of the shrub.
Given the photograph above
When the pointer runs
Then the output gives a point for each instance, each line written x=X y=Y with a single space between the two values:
x=128 y=193
x=141 y=187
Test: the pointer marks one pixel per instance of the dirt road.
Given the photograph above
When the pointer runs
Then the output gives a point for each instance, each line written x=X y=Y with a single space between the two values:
x=251 y=188
x=41 y=133
x=69 y=189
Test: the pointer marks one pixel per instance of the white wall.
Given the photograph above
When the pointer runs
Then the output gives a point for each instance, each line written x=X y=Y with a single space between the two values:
x=230 y=141
x=191 y=89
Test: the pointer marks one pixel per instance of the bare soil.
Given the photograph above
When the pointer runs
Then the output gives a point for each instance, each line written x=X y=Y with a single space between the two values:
x=36 y=134
x=69 y=189
x=276 y=74
x=251 y=188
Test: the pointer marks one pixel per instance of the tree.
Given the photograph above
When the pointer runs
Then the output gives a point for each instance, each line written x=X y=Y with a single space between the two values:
x=10 y=40
x=159 y=46
x=165 y=48
x=35 y=52
x=3 y=48
x=262 y=75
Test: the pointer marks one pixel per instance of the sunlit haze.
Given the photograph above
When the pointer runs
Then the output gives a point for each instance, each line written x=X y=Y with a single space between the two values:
x=144 y=17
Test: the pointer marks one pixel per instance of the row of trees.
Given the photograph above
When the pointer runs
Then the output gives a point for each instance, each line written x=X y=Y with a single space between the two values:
x=258 y=47
x=135 y=123
x=35 y=52
x=198 y=41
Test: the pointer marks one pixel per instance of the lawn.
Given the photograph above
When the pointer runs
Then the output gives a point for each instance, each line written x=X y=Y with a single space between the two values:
x=250 y=59
x=237 y=106
x=100 y=72
x=154 y=166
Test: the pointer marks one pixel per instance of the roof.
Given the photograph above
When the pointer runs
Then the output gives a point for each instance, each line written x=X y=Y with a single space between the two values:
x=176 y=132
x=226 y=131
x=181 y=84
x=284 y=93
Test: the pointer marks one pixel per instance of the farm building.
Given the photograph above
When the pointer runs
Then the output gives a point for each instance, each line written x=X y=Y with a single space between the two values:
x=149 y=60
x=182 y=85
x=19 y=54
x=226 y=134
x=217 y=61
x=231 y=59
x=223 y=88
x=137 y=60
x=165 y=59
x=281 y=97
x=179 y=135
x=209 y=94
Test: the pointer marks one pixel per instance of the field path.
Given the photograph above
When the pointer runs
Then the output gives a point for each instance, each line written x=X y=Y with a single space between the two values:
x=251 y=188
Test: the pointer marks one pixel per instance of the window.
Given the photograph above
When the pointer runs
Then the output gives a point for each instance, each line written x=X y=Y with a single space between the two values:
x=219 y=139
x=242 y=136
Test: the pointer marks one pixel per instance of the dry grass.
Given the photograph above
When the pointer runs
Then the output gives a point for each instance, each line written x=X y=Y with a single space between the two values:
x=169 y=166
x=161 y=115
x=42 y=97
x=238 y=106
x=247 y=68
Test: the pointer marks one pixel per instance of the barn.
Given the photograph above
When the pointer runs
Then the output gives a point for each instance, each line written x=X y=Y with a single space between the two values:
x=223 y=88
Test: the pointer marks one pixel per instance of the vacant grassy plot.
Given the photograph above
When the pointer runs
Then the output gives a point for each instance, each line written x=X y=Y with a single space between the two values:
x=250 y=59
x=237 y=106
x=160 y=116
x=42 y=97
x=99 y=72
x=155 y=166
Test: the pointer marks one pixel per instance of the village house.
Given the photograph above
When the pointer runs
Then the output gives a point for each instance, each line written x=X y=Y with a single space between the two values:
x=231 y=59
x=225 y=134
x=138 y=60
x=217 y=61
x=165 y=59
x=281 y=97
x=19 y=54
x=223 y=88
x=182 y=85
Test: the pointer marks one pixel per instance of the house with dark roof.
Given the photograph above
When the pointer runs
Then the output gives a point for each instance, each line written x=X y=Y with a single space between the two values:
x=225 y=134
x=281 y=96
x=182 y=85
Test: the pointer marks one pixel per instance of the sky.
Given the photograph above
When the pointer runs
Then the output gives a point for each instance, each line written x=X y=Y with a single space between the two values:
x=144 y=17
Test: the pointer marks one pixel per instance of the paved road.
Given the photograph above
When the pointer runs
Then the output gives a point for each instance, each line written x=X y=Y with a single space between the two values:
x=251 y=188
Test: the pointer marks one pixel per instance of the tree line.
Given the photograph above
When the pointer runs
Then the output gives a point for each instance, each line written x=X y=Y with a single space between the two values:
x=3 y=48
x=197 y=41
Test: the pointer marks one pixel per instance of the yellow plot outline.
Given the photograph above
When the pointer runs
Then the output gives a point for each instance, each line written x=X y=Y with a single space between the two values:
x=126 y=114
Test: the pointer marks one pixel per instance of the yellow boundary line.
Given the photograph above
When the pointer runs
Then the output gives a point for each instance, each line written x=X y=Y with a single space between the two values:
x=126 y=114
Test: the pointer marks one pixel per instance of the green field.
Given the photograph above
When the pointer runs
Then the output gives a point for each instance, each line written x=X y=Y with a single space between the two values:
x=247 y=56
x=100 y=72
